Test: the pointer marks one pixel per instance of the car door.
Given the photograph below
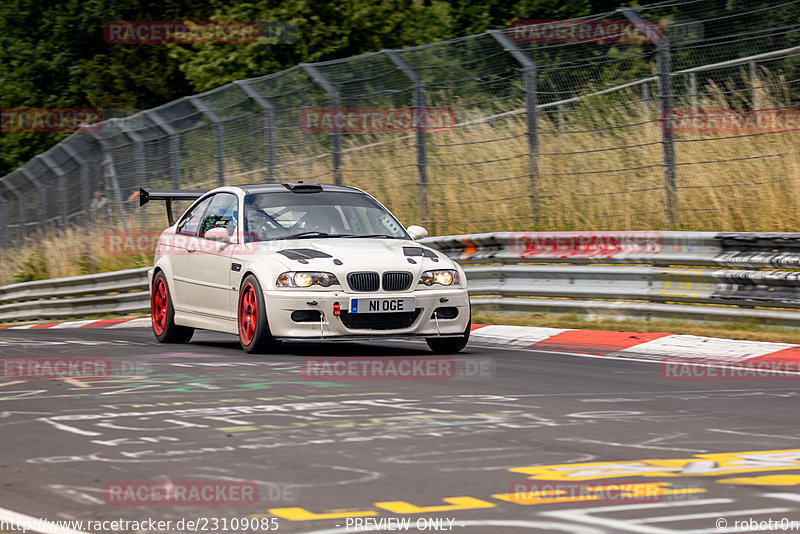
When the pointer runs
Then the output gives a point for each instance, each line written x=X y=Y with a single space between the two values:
x=178 y=250
x=208 y=266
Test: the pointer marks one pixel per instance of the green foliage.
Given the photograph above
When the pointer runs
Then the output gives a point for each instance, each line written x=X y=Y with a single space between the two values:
x=325 y=31
x=33 y=267
x=53 y=54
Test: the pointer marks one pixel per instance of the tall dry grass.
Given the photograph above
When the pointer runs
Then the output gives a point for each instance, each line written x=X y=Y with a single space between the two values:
x=599 y=168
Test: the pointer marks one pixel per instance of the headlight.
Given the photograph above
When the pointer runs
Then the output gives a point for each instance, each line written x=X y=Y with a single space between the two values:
x=444 y=277
x=306 y=279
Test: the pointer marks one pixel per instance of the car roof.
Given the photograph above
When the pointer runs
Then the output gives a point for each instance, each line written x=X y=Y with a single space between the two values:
x=281 y=188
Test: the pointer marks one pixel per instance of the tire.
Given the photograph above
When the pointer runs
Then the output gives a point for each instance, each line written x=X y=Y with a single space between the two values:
x=254 y=334
x=162 y=314
x=449 y=345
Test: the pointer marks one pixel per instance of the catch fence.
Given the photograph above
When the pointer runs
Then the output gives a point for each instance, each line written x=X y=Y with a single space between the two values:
x=689 y=122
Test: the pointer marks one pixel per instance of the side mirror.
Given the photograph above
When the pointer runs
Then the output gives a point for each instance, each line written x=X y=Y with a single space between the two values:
x=220 y=235
x=416 y=232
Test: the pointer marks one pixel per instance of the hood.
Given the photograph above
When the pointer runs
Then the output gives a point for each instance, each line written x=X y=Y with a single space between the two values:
x=341 y=256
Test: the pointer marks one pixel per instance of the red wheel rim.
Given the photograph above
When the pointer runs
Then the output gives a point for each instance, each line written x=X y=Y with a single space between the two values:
x=158 y=306
x=248 y=313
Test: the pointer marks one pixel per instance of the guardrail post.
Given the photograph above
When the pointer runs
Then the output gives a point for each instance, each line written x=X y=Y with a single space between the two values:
x=86 y=193
x=174 y=146
x=61 y=178
x=43 y=205
x=531 y=114
x=269 y=125
x=335 y=109
x=219 y=144
x=420 y=122
x=665 y=108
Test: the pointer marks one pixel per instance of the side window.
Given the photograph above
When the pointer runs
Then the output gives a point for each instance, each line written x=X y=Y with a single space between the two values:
x=221 y=213
x=190 y=222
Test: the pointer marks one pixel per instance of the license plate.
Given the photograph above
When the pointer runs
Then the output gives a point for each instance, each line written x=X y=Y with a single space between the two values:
x=384 y=305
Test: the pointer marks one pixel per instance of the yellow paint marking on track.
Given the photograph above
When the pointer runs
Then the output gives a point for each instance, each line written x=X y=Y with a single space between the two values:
x=455 y=503
x=766 y=480
x=700 y=465
x=301 y=514
x=706 y=465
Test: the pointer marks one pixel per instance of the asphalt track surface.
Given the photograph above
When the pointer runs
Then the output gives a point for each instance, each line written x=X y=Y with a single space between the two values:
x=443 y=454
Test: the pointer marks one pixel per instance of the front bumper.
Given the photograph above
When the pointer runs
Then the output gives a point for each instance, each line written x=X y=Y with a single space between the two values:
x=281 y=304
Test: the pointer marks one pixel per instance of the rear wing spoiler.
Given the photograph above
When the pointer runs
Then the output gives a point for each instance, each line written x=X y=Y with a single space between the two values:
x=146 y=195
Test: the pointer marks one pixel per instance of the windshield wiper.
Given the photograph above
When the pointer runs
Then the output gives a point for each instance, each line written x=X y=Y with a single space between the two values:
x=303 y=235
x=373 y=235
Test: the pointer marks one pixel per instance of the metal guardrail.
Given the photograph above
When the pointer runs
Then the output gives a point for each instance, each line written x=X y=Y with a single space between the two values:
x=76 y=296
x=684 y=275
x=706 y=276
x=756 y=250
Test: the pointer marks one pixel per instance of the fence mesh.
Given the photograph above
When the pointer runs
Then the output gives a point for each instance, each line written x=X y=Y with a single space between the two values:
x=580 y=124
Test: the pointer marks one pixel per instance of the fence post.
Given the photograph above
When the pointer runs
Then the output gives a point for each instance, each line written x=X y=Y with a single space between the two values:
x=419 y=121
x=646 y=99
x=109 y=171
x=86 y=193
x=335 y=108
x=269 y=125
x=754 y=83
x=61 y=178
x=693 y=90
x=665 y=108
x=3 y=217
x=43 y=205
x=21 y=211
x=219 y=146
x=174 y=146
x=140 y=160
x=531 y=115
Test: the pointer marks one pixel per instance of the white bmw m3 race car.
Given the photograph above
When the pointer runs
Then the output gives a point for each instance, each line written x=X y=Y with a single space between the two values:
x=300 y=261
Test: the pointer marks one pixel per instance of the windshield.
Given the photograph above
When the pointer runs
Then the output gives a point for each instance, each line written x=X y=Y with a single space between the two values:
x=287 y=215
